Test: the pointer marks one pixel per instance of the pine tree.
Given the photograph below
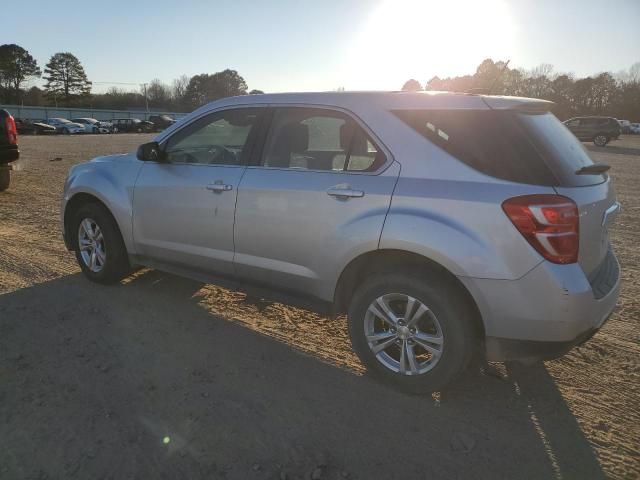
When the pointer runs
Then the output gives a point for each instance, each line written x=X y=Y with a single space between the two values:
x=16 y=65
x=65 y=77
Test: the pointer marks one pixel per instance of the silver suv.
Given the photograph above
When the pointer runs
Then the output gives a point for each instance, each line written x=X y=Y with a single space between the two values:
x=443 y=224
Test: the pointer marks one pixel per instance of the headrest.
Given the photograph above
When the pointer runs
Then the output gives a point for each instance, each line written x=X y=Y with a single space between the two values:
x=292 y=138
x=354 y=138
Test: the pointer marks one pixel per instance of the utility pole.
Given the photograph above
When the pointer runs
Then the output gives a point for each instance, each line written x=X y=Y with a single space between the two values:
x=146 y=100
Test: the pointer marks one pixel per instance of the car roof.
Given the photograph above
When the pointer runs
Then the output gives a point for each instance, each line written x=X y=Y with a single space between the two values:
x=386 y=100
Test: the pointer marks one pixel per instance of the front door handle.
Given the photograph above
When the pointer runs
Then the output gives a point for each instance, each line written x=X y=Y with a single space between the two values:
x=344 y=191
x=218 y=186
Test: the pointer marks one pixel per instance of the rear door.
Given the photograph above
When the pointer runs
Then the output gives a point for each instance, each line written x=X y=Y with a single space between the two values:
x=183 y=207
x=316 y=197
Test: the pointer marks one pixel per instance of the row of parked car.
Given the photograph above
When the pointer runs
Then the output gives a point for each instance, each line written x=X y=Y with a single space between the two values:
x=155 y=123
x=628 y=127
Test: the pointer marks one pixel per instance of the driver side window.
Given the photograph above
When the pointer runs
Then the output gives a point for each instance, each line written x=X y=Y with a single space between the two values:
x=217 y=139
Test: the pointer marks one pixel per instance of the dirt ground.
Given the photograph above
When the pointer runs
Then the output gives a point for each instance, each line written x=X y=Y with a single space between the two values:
x=163 y=377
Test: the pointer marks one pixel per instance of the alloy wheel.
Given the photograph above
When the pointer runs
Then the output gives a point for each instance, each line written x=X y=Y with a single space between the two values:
x=403 y=333
x=91 y=245
x=600 y=140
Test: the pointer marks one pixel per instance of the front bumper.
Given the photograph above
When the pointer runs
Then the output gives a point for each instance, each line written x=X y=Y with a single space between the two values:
x=546 y=312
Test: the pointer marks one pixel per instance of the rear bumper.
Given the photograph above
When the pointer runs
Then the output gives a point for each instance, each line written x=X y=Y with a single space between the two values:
x=506 y=349
x=545 y=313
x=9 y=153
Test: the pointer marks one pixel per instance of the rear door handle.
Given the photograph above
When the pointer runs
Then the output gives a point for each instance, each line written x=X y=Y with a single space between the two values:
x=218 y=186
x=344 y=192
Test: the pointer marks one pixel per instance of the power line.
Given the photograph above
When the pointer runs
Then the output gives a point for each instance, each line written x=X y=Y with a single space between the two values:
x=116 y=83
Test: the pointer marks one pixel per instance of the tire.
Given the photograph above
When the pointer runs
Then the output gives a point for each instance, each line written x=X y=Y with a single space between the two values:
x=600 y=140
x=5 y=178
x=94 y=130
x=138 y=130
x=65 y=131
x=453 y=327
x=113 y=264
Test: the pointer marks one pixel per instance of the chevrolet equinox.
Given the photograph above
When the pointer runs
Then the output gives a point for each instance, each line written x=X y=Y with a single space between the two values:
x=443 y=224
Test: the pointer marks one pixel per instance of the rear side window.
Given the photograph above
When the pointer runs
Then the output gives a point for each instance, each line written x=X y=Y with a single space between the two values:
x=319 y=139
x=530 y=148
x=560 y=148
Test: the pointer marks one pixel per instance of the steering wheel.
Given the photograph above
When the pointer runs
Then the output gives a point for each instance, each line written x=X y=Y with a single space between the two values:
x=220 y=154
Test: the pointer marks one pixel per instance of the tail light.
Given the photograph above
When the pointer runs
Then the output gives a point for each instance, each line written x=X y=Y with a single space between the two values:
x=549 y=223
x=12 y=131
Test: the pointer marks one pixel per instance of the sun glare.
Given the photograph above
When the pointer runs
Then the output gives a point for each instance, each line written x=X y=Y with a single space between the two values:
x=418 y=39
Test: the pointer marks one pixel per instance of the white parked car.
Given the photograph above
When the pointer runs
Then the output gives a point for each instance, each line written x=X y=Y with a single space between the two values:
x=625 y=125
x=91 y=125
x=65 y=126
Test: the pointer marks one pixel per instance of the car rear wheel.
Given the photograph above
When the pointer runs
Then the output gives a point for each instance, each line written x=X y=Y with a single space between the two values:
x=600 y=140
x=98 y=245
x=412 y=331
x=5 y=178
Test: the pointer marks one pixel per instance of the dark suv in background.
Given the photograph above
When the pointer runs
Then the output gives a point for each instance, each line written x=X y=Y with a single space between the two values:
x=161 y=122
x=131 y=125
x=599 y=130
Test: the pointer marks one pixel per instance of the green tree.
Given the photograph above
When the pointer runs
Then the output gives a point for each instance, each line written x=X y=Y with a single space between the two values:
x=205 y=88
x=16 y=66
x=411 y=85
x=256 y=92
x=65 y=77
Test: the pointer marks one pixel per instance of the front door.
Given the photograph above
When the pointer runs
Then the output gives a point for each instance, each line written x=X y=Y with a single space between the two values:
x=318 y=197
x=183 y=206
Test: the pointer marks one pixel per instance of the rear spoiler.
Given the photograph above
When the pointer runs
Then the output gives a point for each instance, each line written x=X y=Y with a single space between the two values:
x=527 y=105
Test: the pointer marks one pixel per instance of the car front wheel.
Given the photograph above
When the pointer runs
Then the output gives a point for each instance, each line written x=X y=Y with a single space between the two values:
x=98 y=245
x=600 y=140
x=411 y=331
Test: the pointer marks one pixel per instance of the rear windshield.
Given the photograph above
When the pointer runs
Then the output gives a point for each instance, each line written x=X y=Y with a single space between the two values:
x=533 y=148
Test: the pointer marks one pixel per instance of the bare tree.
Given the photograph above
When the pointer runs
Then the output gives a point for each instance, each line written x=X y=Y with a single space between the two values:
x=179 y=88
x=158 y=93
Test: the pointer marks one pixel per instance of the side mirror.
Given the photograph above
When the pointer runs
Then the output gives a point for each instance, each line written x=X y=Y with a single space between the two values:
x=149 y=152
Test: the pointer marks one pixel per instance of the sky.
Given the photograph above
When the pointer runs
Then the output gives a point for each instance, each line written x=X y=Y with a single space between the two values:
x=304 y=45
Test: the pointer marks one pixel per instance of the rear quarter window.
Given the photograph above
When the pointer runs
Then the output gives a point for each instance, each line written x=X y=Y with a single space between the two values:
x=531 y=148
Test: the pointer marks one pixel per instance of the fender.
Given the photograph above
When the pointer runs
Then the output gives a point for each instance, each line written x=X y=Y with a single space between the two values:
x=111 y=180
x=468 y=233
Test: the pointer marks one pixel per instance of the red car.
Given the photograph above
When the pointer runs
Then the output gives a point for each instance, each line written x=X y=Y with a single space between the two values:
x=8 y=147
